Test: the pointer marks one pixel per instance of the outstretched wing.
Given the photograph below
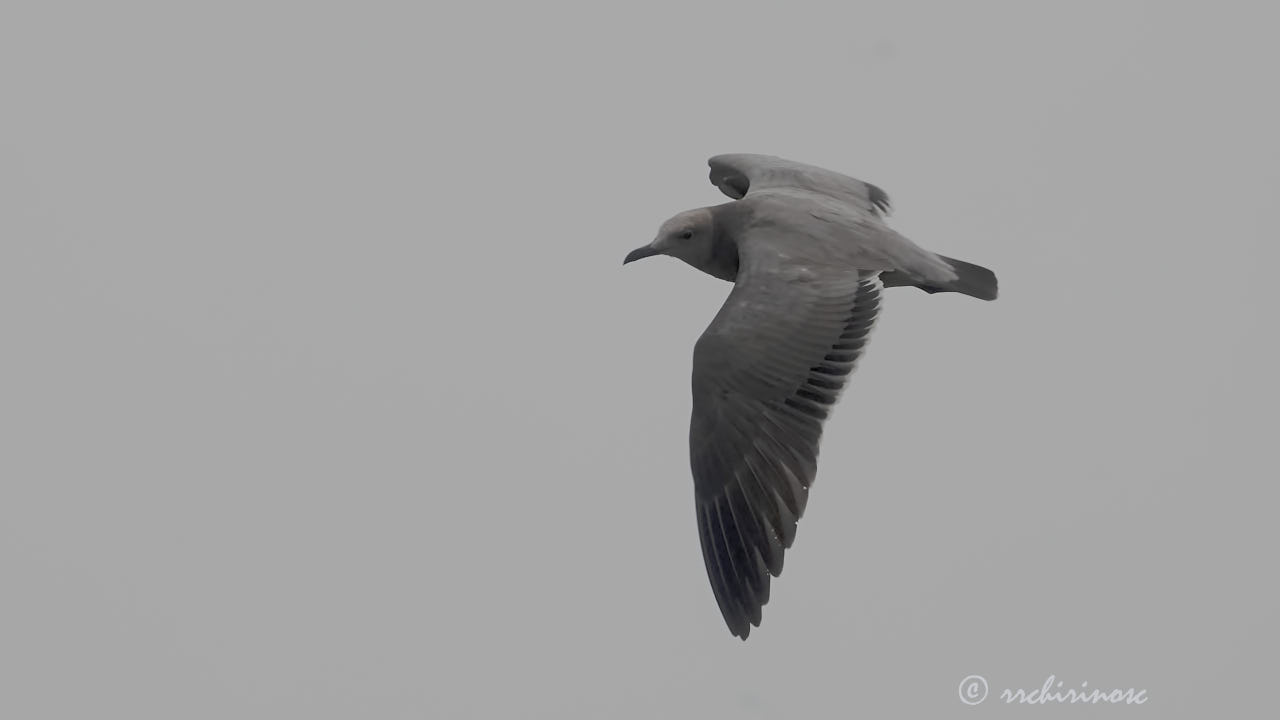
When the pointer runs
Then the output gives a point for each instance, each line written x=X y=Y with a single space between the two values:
x=739 y=174
x=851 y=220
x=765 y=375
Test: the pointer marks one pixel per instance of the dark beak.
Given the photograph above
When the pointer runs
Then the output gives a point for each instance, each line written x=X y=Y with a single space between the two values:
x=640 y=253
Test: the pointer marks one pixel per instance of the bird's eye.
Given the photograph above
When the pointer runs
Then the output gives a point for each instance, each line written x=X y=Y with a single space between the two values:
x=687 y=234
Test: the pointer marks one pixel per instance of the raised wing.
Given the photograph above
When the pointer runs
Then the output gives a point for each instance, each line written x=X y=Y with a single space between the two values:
x=739 y=174
x=765 y=375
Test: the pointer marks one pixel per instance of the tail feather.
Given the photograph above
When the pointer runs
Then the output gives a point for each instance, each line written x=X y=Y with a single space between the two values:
x=972 y=280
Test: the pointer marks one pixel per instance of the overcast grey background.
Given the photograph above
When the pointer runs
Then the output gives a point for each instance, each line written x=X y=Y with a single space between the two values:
x=323 y=392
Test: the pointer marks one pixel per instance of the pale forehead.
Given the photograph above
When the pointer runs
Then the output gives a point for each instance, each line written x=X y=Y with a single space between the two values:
x=687 y=219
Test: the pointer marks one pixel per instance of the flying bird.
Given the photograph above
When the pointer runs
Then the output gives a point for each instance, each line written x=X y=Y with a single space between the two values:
x=808 y=253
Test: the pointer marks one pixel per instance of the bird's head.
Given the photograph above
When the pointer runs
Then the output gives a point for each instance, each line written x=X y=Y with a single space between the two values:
x=687 y=236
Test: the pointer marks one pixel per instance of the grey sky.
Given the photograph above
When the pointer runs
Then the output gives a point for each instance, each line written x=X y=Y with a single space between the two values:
x=323 y=392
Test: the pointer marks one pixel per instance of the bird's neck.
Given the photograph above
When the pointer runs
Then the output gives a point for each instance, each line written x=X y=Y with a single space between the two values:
x=720 y=258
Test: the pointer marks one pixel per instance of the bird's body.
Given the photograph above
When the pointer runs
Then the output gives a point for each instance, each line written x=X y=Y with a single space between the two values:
x=809 y=254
